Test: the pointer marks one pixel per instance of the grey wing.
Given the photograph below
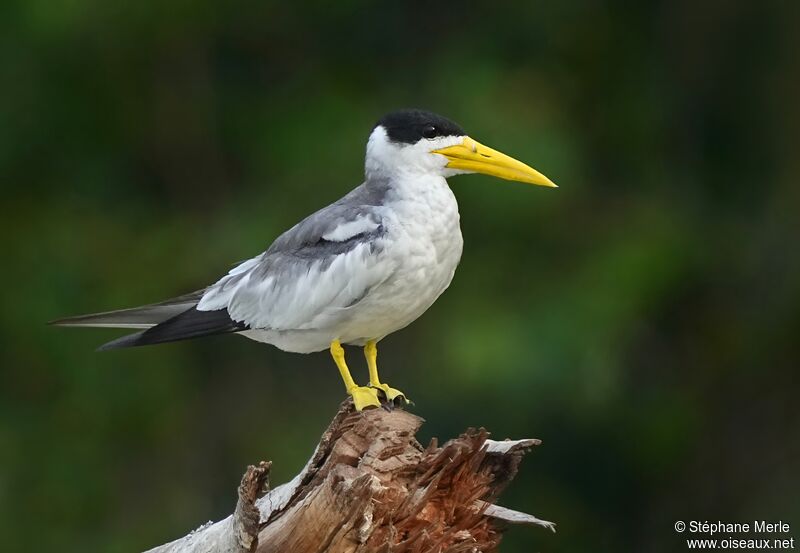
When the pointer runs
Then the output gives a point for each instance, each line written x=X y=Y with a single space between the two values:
x=168 y=321
x=323 y=265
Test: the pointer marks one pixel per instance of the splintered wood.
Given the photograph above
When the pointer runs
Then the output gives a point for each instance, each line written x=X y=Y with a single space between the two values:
x=371 y=487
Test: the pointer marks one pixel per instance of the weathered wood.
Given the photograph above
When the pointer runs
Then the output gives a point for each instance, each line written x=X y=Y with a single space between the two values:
x=371 y=487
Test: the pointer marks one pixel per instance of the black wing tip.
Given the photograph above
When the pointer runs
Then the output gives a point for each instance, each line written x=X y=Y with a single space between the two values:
x=189 y=324
x=127 y=341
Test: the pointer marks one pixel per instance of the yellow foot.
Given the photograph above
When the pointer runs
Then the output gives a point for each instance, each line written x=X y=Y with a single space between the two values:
x=364 y=397
x=393 y=395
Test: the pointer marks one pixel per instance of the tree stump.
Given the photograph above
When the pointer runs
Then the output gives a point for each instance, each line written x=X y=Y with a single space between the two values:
x=371 y=487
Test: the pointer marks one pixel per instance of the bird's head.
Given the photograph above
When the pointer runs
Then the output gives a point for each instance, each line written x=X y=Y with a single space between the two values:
x=423 y=143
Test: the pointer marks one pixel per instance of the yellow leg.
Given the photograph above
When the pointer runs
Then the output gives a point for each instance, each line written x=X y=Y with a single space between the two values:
x=363 y=396
x=371 y=353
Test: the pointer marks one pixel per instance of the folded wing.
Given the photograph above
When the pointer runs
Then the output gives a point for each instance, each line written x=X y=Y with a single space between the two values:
x=308 y=277
x=311 y=274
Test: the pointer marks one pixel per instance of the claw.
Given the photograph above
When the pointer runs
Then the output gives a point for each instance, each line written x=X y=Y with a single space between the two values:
x=393 y=396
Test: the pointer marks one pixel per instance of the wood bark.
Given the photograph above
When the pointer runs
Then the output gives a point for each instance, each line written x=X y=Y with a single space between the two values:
x=370 y=487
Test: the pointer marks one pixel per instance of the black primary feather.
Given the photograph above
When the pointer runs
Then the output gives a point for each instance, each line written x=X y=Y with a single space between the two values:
x=189 y=324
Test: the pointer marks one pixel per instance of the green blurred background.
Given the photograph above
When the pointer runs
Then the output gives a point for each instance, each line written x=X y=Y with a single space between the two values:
x=642 y=319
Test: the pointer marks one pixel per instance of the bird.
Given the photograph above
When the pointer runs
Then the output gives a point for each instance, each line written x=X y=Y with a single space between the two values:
x=353 y=272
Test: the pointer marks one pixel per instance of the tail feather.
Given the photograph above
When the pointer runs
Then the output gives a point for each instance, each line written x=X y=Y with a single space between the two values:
x=145 y=316
x=191 y=323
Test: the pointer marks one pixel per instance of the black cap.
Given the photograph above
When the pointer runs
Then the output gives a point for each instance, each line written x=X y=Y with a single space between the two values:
x=409 y=126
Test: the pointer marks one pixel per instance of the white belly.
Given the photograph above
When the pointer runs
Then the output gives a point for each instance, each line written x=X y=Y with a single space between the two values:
x=423 y=242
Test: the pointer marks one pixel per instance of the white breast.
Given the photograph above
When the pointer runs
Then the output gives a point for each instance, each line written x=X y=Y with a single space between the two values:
x=424 y=242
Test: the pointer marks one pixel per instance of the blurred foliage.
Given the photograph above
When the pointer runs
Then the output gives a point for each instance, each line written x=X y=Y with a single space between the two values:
x=642 y=319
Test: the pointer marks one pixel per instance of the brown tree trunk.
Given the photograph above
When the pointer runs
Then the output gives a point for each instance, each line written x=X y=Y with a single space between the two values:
x=371 y=487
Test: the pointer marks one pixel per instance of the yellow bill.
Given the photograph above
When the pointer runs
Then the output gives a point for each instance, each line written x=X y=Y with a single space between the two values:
x=474 y=157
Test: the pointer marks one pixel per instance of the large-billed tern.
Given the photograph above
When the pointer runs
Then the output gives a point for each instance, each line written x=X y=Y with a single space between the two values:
x=353 y=272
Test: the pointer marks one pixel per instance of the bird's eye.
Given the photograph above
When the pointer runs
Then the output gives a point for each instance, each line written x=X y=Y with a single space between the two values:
x=429 y=132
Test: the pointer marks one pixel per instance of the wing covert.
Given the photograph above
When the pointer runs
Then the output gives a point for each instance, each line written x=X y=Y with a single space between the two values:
x=310 y=274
